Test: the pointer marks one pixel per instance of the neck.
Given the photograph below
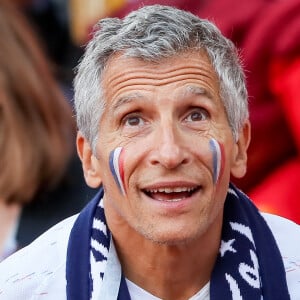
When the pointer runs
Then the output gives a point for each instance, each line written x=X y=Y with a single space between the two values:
x=167 y=271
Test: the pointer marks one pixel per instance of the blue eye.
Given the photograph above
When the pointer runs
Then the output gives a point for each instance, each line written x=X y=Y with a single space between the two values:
x=197 y=115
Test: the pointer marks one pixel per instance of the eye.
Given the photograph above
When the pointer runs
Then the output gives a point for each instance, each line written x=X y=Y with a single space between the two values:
x=197 y=115
x=134 y=120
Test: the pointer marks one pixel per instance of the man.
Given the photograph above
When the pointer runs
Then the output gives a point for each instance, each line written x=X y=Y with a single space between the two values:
x=163 y=124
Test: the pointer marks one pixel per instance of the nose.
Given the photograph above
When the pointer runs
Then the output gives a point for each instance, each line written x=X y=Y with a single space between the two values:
x=170 y=150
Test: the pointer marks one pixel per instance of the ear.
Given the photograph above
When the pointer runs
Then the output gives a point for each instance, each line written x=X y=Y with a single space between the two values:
x=239 y=153
x=89 y=162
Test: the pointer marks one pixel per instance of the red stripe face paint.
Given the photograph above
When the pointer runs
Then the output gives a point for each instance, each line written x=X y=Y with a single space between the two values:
x=217 y=150
x=116 y=164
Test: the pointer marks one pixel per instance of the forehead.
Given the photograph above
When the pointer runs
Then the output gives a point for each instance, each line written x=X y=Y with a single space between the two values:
x=127 y=75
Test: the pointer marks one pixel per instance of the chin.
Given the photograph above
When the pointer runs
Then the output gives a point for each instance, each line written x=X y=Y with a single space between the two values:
x=171 y=237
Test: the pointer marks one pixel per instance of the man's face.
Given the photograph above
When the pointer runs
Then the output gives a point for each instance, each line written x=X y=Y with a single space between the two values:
x=165 y=150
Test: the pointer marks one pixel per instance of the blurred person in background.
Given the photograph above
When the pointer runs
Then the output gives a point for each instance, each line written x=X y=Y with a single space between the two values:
x=41 y=180
x=50 y=21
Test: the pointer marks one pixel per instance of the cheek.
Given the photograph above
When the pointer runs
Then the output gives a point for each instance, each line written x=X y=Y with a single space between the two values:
x=116 y=165
x=218 y=159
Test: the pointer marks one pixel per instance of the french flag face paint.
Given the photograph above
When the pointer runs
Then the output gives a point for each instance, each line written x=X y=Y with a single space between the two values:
x=218 y=157
x=116 y=164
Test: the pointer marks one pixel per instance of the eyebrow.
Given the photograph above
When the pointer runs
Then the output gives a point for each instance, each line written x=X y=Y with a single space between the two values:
x=127 y=99
x=196 y=90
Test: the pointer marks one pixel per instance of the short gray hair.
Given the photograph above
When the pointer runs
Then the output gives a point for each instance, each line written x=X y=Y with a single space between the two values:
x=153 y=33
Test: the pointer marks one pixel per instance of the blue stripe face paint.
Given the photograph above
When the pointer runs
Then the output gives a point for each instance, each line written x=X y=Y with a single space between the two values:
x=116 y=164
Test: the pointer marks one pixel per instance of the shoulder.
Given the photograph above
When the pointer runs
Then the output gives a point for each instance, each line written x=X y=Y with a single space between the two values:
x=39 y=268
x=286 y=233
x=287 y=236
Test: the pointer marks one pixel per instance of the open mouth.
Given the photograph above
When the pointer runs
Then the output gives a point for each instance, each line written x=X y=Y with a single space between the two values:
x=171 y=194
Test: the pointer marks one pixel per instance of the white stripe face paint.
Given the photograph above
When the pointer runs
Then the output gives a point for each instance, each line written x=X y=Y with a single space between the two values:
x=116 y=164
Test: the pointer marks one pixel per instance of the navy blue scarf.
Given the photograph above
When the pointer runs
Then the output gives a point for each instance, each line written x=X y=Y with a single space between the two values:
x=249 y=265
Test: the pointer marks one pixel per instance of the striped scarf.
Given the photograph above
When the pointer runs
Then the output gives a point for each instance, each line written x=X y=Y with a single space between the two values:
x=249 y=265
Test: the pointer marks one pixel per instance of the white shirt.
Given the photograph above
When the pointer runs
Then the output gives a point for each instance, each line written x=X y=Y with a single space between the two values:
x=37 y=272
x=137 y=293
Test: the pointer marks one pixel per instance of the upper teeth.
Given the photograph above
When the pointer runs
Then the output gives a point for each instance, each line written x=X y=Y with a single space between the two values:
x=171 y=190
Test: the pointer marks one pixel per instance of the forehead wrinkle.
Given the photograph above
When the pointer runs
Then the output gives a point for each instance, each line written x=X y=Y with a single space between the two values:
x=142 y=79
x=157 y=74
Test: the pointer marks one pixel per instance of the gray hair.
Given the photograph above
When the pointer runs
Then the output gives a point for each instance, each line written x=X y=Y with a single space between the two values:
x=153 y=33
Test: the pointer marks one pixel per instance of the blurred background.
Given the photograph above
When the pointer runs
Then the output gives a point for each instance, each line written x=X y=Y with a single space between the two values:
x=267 y=32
